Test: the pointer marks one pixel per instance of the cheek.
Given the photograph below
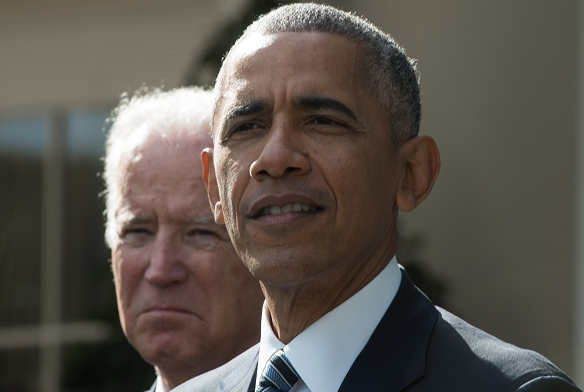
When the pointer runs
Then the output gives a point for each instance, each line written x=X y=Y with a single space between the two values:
x=233 y=179
x=127 y=273
x=344 y=179
x=226 y=276
x=225 y=180
x=116 y=269
x=119 y=281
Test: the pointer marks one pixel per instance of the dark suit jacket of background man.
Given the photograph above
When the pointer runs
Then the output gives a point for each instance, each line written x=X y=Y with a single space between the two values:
x=418 y=347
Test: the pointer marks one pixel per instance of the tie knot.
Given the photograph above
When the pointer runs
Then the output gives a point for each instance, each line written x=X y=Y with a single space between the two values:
x=278 y=375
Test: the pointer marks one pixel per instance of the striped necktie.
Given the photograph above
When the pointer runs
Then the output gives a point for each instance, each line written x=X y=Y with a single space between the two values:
x=278 y=375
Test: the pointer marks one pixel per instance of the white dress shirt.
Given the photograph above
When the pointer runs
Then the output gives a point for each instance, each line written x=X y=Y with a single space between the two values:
x=160 y=385
x=325 y=351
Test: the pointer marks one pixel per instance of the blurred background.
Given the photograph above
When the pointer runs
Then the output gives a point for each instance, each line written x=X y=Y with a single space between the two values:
x=500 y=241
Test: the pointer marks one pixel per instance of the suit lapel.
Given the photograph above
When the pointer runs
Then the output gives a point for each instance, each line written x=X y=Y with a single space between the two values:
x=152 y=388
x=241 y=372
x=251 y=386
x=395 y=355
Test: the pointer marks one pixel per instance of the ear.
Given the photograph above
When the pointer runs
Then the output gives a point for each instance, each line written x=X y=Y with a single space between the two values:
x=421 y=164
x=211 y=183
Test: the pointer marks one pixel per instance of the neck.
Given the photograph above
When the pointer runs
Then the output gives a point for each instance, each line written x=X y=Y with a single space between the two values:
x=293 y=309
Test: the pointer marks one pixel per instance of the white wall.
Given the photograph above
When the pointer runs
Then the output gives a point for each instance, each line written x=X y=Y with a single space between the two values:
x=68 y=52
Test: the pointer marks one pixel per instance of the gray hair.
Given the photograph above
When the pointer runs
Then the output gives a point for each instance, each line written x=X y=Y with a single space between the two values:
x=390 y=74
x=148 y=111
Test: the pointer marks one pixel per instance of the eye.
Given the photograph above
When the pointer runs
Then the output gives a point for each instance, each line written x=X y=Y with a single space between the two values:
x=241 y=131
x=202 y=238
x=325 y=121
x=245 y=127
x=325 y=124
x=200 y=232
x=136 y=236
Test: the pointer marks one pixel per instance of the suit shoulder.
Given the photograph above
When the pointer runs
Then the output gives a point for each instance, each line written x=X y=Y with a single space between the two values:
x=486 y=359
x=548 y=384
x=234 y=375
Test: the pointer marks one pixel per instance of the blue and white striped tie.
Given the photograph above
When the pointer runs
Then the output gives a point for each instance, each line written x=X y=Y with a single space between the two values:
x=278 y=375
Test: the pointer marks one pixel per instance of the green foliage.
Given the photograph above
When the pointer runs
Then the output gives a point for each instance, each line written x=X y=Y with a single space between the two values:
x=409 y=256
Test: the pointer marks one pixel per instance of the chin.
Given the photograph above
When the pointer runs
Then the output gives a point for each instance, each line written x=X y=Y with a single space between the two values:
x=154 y=346
x=274 y=274
x=164 y=355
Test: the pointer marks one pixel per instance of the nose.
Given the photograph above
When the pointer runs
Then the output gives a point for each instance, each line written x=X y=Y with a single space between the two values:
x=166 y=264
x=283 y=153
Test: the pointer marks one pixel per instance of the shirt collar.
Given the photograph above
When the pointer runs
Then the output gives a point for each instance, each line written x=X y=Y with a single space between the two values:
x=316 y=354
x=160 y=385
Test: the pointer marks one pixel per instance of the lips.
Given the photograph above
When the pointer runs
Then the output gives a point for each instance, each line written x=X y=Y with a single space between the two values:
x=286 y=208
x=279 y=205
x=166 y=309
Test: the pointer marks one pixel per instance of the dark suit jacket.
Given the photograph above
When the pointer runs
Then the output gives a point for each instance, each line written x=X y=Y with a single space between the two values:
x=418 y=347
x=152 y=388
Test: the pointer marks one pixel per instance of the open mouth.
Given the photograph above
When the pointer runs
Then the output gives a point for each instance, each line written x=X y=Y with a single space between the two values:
x=287 y=208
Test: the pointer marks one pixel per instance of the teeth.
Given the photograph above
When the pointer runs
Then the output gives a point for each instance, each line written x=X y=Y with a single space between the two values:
x=292 y=207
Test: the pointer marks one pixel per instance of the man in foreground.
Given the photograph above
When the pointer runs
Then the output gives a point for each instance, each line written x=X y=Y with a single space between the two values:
x=316 y=150
x=186 y=302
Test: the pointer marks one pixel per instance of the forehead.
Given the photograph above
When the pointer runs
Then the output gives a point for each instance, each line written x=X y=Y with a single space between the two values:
x=165 y=165
x=285 y=64
x=159 y=149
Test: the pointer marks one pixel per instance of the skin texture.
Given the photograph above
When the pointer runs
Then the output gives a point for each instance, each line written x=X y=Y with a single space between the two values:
x=296 y=126
x=186 y=301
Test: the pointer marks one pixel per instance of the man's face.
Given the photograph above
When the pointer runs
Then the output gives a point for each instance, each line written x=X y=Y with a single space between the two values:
x=306 y=171
x=185 y=299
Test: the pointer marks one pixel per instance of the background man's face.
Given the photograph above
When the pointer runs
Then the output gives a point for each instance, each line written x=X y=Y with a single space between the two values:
x=184 y=296
x=306 y=171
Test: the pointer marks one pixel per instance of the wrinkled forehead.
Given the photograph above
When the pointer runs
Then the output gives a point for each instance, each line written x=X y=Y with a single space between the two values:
x=240 y=54
x=173 y=149
x=302 y=58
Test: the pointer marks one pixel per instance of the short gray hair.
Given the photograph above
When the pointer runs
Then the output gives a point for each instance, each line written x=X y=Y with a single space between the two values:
x=390 y=74
x=147 y=111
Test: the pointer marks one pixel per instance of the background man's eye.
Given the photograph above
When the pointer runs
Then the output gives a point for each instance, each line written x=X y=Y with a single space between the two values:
x=201 y=232
x=203 y=239
x=135 y=236
x=136 y=232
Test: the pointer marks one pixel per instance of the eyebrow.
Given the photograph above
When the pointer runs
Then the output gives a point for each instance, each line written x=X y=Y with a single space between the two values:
x=246 y=108
x=204 y=220
x=319 y=103
x=134 y=220
x=141 y=219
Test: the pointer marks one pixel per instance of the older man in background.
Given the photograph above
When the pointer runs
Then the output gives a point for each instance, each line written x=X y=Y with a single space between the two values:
x=186 y=302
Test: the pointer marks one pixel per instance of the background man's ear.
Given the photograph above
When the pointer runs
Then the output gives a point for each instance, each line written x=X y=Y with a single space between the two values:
x=211 y=183
x=421 y=165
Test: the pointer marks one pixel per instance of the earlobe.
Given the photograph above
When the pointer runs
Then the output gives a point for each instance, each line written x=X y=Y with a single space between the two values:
x=210 y=181
x=420 y=167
